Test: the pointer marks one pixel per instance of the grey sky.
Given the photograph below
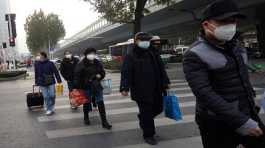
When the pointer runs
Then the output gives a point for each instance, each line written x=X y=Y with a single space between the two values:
x=75 y=14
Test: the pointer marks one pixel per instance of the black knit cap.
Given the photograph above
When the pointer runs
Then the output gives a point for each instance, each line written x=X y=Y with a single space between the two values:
x=143 y=36
x=90 y=50
x=222 y=9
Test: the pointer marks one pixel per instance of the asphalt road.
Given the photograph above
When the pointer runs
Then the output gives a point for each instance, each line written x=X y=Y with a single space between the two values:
x=21 y=128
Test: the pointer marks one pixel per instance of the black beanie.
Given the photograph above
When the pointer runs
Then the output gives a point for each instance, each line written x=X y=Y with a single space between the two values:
x=90 y=50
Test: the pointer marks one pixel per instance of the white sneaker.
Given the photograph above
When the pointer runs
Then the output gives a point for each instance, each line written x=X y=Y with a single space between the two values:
x=48 y=113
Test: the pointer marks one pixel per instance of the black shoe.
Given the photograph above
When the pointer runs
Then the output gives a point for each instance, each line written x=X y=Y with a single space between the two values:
x=151 y=141
x=102 y=112
x=107 y=126
x=87 y=122
x=74 y=108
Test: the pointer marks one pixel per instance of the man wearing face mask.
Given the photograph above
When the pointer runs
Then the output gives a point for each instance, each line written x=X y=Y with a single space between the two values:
x=156 y=43
x=217 y=73
x=88 y=74
x=144 y=75
x=67 y=70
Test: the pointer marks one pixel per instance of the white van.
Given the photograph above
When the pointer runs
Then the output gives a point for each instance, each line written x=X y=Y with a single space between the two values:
x=180 y=50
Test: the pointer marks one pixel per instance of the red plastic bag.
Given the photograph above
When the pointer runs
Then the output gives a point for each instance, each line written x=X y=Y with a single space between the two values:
x=78 y=98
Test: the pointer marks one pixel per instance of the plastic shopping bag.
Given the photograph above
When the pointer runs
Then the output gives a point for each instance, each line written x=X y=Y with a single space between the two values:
x=78 y=97
x=107 y=86
x=59 y=89
x=171 y=107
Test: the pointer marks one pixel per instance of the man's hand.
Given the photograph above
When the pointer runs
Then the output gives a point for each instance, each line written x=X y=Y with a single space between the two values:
x=125 y=93
x=255 y=132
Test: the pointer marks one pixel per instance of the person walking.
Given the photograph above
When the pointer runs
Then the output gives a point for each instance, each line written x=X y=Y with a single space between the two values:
x=45 y=74
x=144 y=75
x=67 y=68
x=88 y=74
x=216 y=70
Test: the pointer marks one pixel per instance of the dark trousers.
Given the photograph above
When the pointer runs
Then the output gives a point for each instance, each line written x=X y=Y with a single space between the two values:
x=70 y=85
x=216 y=135
x=148 y=111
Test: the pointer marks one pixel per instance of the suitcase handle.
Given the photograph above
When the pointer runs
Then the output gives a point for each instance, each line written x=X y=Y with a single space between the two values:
x=33 y=88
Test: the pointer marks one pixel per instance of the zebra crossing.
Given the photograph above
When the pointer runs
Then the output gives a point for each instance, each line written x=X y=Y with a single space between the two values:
x=122 y=113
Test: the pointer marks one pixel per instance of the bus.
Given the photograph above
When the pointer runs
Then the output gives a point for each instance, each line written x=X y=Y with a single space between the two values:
x=120 y=50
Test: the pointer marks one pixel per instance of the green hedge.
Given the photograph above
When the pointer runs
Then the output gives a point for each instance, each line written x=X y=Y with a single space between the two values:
x=112 y=65
x=10 y=74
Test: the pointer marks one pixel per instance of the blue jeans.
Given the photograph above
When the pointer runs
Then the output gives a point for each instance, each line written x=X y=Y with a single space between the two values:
x=49 y=96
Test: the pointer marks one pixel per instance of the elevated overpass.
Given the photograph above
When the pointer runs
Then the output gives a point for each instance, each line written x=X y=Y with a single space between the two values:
x=170 y=22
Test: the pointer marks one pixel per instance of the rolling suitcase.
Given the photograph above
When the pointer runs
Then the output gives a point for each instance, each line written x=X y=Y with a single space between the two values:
x=35 y=99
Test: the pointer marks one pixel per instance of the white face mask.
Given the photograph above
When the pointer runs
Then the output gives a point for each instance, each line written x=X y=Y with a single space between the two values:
x=225 y=32
x=68 y=56
x=38 y=58
x=91 y=57
x=144 y=44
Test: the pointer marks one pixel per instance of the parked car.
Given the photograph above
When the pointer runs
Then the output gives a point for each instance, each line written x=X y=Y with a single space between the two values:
x=179 y=50
x=105 y=58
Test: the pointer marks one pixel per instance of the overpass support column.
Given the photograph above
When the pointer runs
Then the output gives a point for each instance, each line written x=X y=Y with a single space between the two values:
x=261 y=27
x=261 y=35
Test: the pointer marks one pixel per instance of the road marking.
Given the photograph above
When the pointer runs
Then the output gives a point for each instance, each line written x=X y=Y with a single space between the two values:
x=173 y=83
x=190 y=142
x=119 y=95
x=68 y=116
x=123 y=126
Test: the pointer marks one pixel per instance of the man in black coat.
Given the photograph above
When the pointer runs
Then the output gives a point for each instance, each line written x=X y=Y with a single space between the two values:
x=67 y=69
x=144 y=75
x=216 y=69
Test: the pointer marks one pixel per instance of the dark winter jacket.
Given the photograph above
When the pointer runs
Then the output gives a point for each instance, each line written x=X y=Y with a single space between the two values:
x=219 y=78
x=67 y=68
x=43 y=69
x=85 y=74
x=143 y=74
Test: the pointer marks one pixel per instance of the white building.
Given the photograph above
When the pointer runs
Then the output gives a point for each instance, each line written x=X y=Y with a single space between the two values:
x=4 y=9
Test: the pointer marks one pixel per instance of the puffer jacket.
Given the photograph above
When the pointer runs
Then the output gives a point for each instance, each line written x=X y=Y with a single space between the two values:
x=219 y=78
x=85 y=74
x=67 y=68
x=144 y=75
x=43 y=68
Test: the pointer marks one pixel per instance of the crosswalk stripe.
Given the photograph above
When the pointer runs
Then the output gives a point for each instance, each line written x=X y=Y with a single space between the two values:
x=189 y=142
x=173 y=83
x=110 y=112
x=123 y=126
x=119 y=95
x=107 y=102
x=119 y=111
x=258 y=97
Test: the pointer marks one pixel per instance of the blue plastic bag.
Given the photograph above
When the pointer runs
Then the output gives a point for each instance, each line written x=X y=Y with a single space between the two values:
x=107 y=86
x=171 y=107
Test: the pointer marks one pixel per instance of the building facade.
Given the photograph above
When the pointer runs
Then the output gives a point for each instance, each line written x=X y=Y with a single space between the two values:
x=4 y=9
